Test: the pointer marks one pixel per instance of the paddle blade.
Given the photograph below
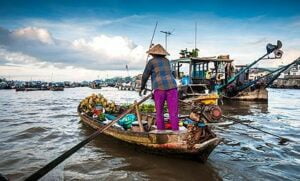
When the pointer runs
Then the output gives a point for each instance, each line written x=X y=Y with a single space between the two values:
x=3 y=178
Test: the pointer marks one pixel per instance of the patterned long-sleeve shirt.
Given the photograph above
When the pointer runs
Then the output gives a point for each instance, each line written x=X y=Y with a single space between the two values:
x=161 y=75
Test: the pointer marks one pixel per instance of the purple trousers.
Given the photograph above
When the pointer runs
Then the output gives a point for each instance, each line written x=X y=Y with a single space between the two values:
x=171 y=96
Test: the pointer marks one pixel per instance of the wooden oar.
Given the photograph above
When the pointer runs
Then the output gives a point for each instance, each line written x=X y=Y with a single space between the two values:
x=43 y=171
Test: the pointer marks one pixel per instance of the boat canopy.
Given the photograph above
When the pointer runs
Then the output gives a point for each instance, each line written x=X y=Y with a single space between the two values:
x=201 y=59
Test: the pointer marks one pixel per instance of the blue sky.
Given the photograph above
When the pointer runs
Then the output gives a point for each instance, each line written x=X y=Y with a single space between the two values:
x=119 y=8
x=100 y=37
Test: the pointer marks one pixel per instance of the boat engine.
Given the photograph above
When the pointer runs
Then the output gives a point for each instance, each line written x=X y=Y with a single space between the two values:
x=213 y=112
x=208 y=113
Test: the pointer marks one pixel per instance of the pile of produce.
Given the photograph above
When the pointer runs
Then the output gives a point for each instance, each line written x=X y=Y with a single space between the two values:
x=89 y=104
x=102 y=110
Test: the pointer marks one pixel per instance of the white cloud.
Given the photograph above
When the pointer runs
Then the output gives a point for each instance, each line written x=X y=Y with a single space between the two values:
x=94 y=44
x=97 y=53
x=34 y=33
x=84 y=27
x=117 y=49
x=18 y=58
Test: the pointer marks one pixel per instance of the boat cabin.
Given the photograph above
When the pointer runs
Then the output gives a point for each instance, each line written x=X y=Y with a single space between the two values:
x=199 y=75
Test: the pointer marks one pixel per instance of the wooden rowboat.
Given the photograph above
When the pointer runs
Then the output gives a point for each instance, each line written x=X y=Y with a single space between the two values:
x=159 y=142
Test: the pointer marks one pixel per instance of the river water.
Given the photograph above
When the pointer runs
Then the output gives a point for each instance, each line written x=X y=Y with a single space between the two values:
x=36 y=127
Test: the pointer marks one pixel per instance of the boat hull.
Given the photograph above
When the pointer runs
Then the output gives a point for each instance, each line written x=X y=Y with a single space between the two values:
x=170 y=144
x=57 y=89
x=20 y=89
x=256 y=95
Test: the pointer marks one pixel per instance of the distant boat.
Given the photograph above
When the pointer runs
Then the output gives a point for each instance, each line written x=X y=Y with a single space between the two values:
x=57 y=89
x=20 y=88
x=58 y=86
x=32 y=89
x=45 y=86
x=96 y=84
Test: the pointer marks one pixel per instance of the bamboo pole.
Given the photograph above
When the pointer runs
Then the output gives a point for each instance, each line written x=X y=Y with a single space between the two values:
x=139 y=117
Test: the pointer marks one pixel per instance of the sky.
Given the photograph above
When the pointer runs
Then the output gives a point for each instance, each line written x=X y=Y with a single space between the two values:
x=86 y=40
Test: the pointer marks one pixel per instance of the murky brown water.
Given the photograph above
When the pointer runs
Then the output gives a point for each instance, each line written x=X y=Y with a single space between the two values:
x=36 y=127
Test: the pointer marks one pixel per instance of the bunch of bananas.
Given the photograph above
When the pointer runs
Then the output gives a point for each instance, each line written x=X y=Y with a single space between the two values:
x=88 y=104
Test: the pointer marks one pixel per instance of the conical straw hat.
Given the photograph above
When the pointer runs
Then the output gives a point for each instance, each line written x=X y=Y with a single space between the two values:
x=157 y=50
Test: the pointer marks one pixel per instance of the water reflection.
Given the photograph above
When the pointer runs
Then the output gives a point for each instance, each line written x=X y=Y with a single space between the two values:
x=152 y=166
x=243 y=108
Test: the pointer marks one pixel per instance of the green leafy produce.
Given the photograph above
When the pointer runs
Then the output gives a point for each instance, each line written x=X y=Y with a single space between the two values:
x=147 y=108
x=101 y=117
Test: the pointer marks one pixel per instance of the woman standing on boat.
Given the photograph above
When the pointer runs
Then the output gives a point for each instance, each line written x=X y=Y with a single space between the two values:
x=163 y=84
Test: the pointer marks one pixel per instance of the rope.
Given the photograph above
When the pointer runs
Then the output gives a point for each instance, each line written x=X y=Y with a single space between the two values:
x=282 y=139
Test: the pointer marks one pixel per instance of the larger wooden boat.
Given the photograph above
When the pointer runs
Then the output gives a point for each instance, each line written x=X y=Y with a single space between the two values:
x=210 y=74
x=159 y=142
